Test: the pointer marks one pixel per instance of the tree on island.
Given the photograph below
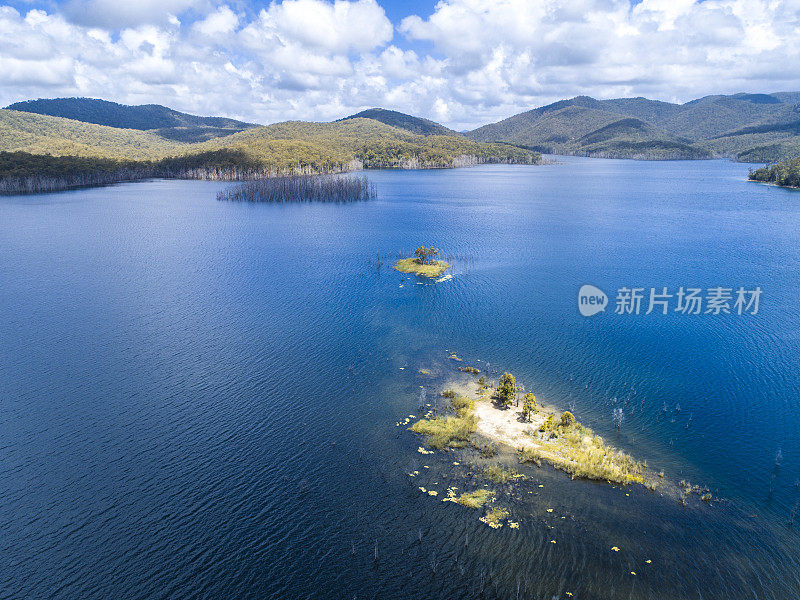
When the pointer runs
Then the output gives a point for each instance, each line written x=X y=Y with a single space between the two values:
x=567 y=420
x=425 y=255
x=528 y=406
x=506 y=390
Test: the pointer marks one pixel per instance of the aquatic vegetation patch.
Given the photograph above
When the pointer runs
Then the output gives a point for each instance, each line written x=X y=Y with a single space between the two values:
x=499 y=474
x=446 y=431
x=495 y=517
x=450 y=431
x=472 y=370
x=474 y=499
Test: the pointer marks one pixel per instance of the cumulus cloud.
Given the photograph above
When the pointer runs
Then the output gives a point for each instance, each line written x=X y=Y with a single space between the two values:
x=222 y=21
x=125 y=13
x=467 y=63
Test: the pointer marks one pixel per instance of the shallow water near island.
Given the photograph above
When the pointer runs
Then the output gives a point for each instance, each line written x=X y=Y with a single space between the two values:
x=199 y=399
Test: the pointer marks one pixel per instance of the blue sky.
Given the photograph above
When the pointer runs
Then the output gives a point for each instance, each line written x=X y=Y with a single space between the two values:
x=461 y=62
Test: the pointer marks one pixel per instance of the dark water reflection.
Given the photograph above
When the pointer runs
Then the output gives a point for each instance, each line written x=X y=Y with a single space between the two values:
x=198 y=399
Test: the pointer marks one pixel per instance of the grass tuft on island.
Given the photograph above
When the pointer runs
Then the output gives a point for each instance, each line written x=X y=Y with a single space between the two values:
x=414 y=265
x=449 y=431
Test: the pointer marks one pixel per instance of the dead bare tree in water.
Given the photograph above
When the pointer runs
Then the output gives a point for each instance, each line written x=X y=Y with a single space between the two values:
x=618 y=416
x=302 y=188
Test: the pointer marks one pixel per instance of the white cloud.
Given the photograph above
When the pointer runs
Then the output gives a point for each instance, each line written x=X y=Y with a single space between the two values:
x=114 y=14
x=340 y=27
x=474 y=61
x=223 y=21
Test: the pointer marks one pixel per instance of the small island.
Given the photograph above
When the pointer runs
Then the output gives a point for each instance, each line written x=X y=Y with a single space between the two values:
x=536 y=433
x=423 y=263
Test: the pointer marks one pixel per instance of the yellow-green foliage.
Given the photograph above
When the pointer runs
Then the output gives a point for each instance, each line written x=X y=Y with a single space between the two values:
x=576 y=450
x=414 y=265
x=506 y=389
x=528 y=406
x=463 y=405
x=548 y=425
x=474 y=499
x=374 y=144
x=494 y=517
x=452 y=431
x=282 y=148
x=446 y=431
x=499 y=474
x=472 y=370
x=42 y=134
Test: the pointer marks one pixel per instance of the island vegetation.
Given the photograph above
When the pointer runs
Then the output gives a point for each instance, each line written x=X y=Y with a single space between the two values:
x=784 y=174
x=423 y=263
x=537 y=434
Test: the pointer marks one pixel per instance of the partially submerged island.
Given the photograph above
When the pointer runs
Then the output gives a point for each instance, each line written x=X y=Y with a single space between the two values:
x=535 y=432
x=423 y=263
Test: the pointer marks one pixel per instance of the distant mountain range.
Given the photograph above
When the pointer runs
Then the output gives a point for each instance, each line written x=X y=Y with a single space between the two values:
x=403 y=121
x=746 y=127
x=45 y=152
x=162 y=121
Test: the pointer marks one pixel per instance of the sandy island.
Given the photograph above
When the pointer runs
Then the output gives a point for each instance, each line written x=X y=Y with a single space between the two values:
x=570 y=447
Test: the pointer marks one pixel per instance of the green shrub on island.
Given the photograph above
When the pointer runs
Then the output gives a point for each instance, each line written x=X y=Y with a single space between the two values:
x=425 y=255
x=472 y=370
x=567 y=419
x=423 y=263
x=507 y=390
x=449 y=394
x=529 y=406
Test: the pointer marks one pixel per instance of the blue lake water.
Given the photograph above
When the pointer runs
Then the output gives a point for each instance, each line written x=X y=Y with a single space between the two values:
x=199 y=399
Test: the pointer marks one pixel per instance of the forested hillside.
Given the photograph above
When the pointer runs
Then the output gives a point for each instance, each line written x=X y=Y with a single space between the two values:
x=160 y=120
x=750 y=127
x=403 y=121
x=40 y=151
x=785 y=173
x=41 y=134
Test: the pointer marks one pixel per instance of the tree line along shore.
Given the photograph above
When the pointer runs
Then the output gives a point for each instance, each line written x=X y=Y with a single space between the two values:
x=40 y=153
x=785 y=173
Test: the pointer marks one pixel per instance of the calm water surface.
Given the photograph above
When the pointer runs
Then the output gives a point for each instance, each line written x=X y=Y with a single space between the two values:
x=199 y=399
